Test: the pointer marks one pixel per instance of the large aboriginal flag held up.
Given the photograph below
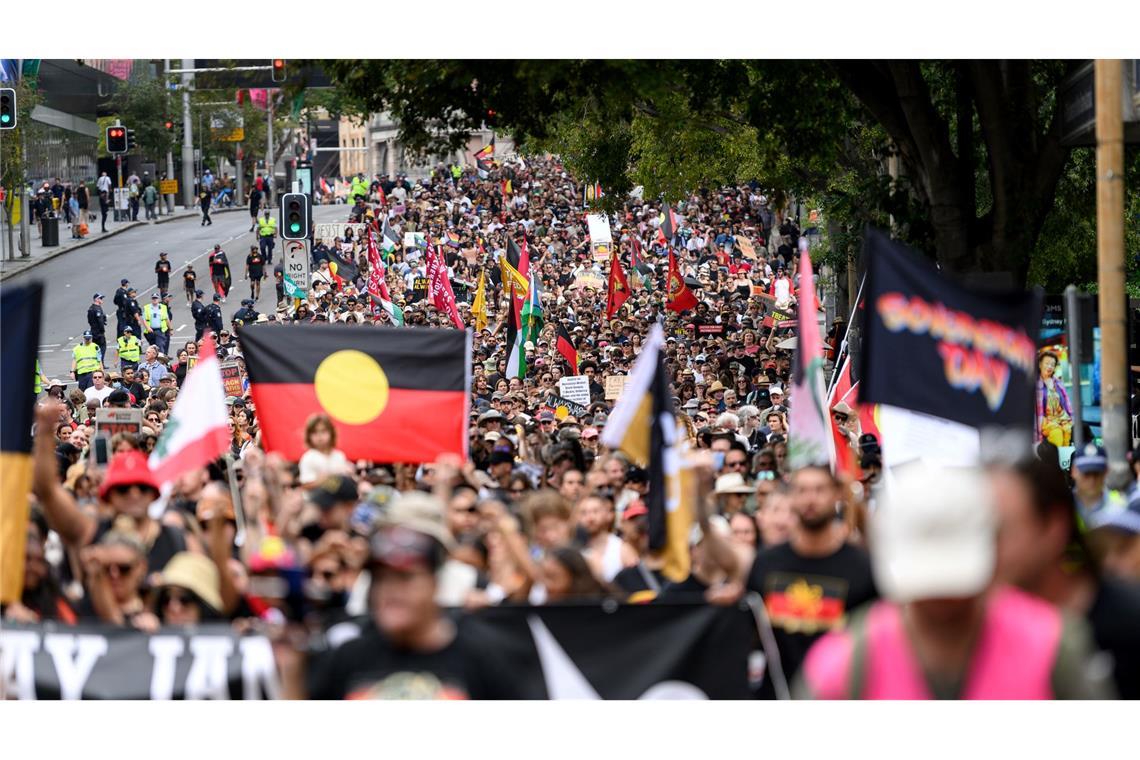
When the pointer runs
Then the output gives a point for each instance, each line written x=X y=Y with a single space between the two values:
x=394 y=394
x=931 y=345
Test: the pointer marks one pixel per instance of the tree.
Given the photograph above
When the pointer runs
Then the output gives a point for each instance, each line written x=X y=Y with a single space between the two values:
x=979 y=141
x=144 y=105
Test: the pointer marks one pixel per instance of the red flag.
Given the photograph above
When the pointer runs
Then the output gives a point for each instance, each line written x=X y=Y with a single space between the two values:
x=439 y=287
x=618 y=290
x=843 y=459
x=679 y=297
x=375 y=272
x=668 y=229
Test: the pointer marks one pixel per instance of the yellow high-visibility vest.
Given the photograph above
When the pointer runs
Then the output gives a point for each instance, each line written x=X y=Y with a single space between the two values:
x=129 y=348
x=86 y=357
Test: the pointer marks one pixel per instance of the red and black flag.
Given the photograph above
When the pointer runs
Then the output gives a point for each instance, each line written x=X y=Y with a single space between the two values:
x=565 y=346
x=19 y=342
x=618 y=291
x=678 y=295
x=668 y=229
x=394 y=394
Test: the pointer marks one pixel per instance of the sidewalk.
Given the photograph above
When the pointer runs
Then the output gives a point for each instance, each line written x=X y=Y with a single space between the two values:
x=66 y=243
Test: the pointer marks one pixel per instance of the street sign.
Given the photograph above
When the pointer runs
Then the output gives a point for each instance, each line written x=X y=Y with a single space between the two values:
x=122 y=198
x=1077 y=99
x=168 y=186
x=230 y=129
x=296 y=262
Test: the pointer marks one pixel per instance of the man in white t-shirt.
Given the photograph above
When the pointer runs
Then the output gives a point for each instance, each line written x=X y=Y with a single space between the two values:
x=104 y=183
x=98 y=390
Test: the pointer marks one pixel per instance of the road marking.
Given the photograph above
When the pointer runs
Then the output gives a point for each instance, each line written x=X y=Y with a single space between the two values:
x=180 y=328
x=51 y=345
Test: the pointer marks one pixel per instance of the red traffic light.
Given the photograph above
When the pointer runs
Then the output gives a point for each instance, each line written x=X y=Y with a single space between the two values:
x=168 y=124
x=278 y=63
x=113 y=132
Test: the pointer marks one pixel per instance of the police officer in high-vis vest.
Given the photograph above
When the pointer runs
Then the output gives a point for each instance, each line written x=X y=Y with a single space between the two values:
x=85 y=360
x=157 y=321
x=129 y=350
x=266 y=234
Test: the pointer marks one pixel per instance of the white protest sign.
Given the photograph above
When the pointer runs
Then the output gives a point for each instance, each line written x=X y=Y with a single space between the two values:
x=296 y=262
x=336 y=231
x=575 y=388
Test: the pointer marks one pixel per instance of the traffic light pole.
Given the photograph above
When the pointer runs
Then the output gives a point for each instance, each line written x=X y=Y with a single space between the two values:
x=187 y=137
x=118 y=179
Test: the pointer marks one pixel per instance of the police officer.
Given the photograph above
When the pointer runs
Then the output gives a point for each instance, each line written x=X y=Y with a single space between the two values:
x=266 y=234
x=129 y=312
x=120 y=301
x=167 y=298
x=130 y=349
x=214 y=319
x=157 y=323
x=97 y=322
x=162 y=271
x=247 y=314
x=198 y=311
x=86 y=359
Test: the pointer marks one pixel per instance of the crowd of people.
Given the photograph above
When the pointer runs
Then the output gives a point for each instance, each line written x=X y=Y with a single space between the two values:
x=953 y=585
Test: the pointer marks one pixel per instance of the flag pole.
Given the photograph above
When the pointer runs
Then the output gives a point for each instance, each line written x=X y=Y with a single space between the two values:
x=843 y=346
x=235 y=495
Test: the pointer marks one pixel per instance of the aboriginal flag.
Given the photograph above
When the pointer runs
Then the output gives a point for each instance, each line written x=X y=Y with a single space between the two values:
x=19 y=339
x=394 y=395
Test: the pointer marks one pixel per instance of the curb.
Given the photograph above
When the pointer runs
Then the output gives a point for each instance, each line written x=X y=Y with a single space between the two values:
x=35 y=261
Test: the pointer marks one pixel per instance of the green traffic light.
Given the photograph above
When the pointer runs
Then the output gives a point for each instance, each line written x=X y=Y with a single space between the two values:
x=5 y=118
x=294 y=227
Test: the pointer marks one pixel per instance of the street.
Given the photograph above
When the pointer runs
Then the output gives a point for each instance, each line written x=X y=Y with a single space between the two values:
x=71 y=279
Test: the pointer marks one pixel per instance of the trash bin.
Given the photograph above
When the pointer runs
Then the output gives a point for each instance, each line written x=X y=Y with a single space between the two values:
x=50 y=235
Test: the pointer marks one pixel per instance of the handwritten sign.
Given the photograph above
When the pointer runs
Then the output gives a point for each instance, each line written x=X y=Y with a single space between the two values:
x=615 y=385
x=576 y=388
x=591 y=280
x=746 y=247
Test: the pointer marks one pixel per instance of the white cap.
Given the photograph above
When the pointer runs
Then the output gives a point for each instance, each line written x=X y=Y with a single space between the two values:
x=935 y=535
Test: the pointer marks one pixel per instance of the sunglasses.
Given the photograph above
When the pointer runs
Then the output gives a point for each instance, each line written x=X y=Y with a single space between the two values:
x=184 y=599
x=120 y=568
x=123 y=490
x=765 y=475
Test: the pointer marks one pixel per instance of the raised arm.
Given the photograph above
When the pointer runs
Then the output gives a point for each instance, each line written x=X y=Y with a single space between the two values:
x=62 y=513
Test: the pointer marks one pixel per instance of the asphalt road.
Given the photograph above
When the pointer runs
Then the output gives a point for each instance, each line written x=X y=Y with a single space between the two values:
x=70 y=280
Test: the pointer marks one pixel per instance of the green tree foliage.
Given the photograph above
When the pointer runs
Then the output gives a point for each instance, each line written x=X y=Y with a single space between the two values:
x=144 y=105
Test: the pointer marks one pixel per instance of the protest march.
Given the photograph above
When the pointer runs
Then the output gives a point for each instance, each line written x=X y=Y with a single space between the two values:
x=500 y=443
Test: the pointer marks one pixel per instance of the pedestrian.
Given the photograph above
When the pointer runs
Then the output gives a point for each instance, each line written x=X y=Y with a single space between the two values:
x=220 y=272
x=204 y=204
x=255 y=197
x=104 y=206
x=150 y=198
x=86 y=360
x=129 y=349
x=190 y=283
x=162 y=271
x=266 y=235
x=134 y=193
x=255 y=270
x=97 y=323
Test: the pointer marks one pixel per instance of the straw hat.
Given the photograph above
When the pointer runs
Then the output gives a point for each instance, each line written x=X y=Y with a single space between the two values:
x=195 y=573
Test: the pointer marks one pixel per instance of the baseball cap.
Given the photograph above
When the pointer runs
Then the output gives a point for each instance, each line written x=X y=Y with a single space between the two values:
x=124 y=281
x=86 y=333
x=934 y=536
x=199 y=293
x=1092 y=459
x=334 y=489
x=97 y=295
x=403 y=548
x=636 y=508
x=154 y=296
x=420 y=512
x=1124 y=518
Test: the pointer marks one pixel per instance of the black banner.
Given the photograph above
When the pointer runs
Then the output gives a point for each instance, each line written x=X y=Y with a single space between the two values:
x=49 y=661
x=933 y=346
x=655 y=651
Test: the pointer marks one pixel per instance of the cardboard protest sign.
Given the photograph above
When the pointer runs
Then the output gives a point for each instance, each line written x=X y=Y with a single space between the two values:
x=591 y=280
x=615 y=384
x=746 y=247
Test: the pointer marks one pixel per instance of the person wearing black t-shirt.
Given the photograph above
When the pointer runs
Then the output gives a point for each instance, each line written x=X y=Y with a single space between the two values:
x=254 y=271
x=812 y=583
x=189 y=283
x=1041 y=550
x=409 y=649
x=162 y=272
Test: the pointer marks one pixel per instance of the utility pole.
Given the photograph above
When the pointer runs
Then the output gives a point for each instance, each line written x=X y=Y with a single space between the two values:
x=118 y=177
x=1110 y=268
x=22 y=197
x=169 y=198
x=269 y=144
x=187 y=137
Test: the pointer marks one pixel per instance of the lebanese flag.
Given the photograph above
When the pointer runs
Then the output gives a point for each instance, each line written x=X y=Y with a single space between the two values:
x=809 y=441
x=618 y=291
x=198 y=431
x=679 y=297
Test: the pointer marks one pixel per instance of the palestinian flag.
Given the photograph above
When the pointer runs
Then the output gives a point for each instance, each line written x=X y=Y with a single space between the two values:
x=679 y=297
x=618 y=291
x=516 y=358
x=19 y=343
x=198 y=430
x=532 y=311
x=389 y=240
x=565 y=346
x=485 y=156
x=645 y=427
x=393 y=395
x=809 y=441
x=669 y=226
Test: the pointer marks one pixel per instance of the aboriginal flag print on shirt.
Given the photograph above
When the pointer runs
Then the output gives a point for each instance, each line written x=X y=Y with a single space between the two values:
x=394 y=395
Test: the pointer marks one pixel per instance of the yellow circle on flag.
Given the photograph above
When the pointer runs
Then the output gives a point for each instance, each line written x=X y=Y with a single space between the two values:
x=351 y=387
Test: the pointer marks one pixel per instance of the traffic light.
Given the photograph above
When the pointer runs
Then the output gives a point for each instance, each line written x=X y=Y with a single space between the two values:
x=131 y=144
x=168 y=125
x=116 y=140
x=278 y=70
x=295 y=216
x=7 y=108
